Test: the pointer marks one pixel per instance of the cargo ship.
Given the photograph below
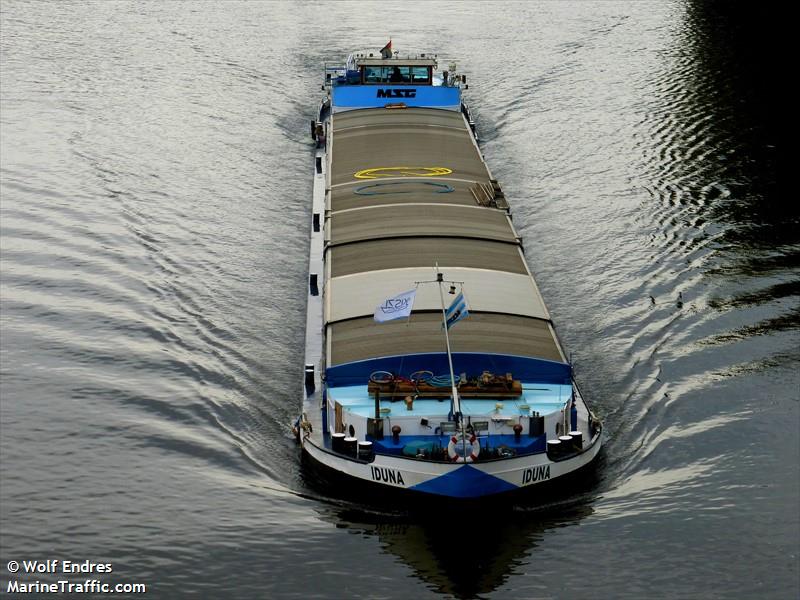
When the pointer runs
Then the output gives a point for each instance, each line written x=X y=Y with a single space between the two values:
x=431 y=362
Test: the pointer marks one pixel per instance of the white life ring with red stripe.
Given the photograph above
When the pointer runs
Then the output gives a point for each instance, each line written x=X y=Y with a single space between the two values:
x=454 y=456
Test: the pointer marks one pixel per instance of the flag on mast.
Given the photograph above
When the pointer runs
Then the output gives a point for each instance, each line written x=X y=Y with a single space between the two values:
x=386 y=51
x=457 y=310
x=396 y=307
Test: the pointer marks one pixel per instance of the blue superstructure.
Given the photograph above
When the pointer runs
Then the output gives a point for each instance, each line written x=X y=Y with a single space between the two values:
x=376 y=82
x=354 y=97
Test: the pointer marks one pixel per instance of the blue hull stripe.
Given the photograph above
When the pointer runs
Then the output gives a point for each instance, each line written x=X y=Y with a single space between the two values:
x=466 y=482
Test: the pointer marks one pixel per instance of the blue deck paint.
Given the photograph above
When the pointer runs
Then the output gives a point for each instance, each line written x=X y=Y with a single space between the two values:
x=525 y=445
x=540 y=397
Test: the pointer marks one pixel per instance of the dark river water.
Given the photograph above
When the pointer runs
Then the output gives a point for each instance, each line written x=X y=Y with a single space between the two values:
x=156 y=184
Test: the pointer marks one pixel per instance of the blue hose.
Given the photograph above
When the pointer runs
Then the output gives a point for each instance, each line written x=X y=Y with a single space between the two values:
x=439 y=381
x=444 y=188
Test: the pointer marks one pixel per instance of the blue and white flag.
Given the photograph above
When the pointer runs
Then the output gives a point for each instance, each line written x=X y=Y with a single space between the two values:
x=396 y=307
x=458 y=310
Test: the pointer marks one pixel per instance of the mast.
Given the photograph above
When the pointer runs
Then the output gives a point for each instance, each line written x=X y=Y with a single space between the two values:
x=455 y=405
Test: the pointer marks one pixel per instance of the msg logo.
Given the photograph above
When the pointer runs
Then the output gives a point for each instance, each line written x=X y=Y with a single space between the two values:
x=390 y=93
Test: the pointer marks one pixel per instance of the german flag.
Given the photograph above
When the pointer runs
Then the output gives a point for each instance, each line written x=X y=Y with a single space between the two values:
x=386 y=51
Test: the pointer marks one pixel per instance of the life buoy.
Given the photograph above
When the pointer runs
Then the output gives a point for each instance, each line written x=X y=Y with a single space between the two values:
x=454 y=456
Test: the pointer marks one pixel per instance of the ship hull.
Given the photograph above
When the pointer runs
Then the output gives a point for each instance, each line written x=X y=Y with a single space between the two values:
x=468 y=481
x=533 y=482
x=402 y=198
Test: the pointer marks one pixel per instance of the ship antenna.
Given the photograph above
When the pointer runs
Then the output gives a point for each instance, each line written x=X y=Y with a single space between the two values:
x=455 y=406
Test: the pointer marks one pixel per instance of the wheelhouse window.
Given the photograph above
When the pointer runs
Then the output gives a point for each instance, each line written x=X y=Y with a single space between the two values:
x=420 y=75
x=396 y=74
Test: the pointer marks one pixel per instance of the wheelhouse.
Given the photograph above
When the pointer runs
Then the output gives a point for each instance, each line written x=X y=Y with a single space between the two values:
x=379 y=71
x=367 y=81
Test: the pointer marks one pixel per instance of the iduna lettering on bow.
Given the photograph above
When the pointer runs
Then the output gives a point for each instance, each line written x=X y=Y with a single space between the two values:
x=535 y=474
x=387 y=475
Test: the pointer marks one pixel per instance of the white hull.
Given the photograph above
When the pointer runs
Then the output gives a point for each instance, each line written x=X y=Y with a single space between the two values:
x=471 y=480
